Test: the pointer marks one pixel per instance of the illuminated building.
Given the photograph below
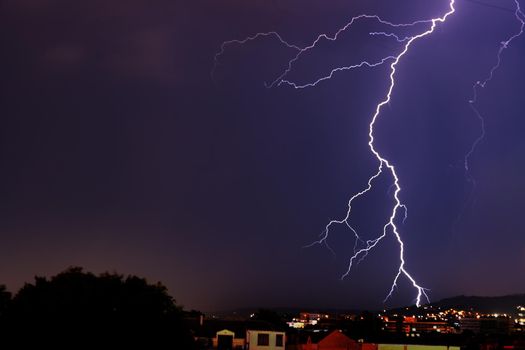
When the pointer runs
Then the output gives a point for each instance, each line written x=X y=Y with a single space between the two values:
x=336 y=340
x=415 y=347
x=307 y=319
x=311 y=318
x=225 y=340
x=295 y=324
x=265 y=340
x=520 y=321
x=413 y=327
x=494 y=324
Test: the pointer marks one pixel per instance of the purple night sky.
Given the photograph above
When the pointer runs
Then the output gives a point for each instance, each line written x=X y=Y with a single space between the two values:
x=119 y=152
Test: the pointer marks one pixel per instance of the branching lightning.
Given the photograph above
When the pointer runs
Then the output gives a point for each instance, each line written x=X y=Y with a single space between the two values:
x=480 y=84
x=384 y=163
x=385 y=167
x=520 y=16
x=244 y=41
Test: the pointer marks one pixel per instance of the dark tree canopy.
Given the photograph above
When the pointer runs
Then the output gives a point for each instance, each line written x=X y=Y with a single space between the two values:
x=77 y=308
x=5 y=299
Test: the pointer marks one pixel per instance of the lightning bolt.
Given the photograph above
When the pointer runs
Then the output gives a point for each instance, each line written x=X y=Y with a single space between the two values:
x=244 y=41
x=520 y=16
x=481 y=84
x=385 y=163
x=385 y=166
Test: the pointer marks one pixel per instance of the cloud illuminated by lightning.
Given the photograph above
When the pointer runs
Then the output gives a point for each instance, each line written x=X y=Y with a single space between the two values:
x=385 y=167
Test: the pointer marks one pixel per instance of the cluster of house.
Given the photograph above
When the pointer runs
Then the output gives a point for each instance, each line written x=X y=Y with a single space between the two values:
x=320 y=331
x=456 y=321
x=275 y=340
x=254 y=340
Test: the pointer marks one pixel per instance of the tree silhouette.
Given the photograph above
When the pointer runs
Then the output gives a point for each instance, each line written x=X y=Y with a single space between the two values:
x=76 y=308
x=5 y=299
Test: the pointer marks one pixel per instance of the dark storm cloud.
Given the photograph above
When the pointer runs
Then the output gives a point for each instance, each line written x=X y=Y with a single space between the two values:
x=118 y=151
x=129 y=40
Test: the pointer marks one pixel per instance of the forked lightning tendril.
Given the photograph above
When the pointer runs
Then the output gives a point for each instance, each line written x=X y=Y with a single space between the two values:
x=520 y=16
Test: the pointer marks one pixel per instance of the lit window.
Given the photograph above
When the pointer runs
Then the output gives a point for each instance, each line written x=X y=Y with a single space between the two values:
x=263 y=339
x=279 y=340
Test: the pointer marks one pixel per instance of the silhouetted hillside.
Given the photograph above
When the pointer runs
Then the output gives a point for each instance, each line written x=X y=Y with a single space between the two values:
x=502 y=304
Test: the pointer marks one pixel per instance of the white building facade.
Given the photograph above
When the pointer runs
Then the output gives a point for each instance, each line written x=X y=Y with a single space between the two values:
x=265 y=340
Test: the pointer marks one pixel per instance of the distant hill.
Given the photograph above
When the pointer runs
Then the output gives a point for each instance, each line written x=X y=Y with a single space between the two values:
x=502 y=304
x=244 y=313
